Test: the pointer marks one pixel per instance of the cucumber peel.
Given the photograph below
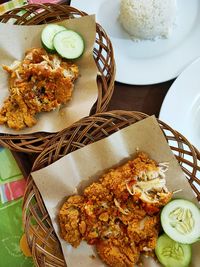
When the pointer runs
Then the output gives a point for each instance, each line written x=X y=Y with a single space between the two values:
x=180 y=220
x=48 y=34
x=69 y=44
x=171 y=253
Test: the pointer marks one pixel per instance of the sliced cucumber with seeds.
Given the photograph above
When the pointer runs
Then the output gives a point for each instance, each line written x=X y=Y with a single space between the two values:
x=48 y=34
x=171 y=253
x=68 y=44
x=180 y=220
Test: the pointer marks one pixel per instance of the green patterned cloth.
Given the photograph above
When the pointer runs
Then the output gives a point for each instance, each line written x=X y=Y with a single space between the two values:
x=10 y=5
x=11 y=231
x=9 y=170
x=12 y=186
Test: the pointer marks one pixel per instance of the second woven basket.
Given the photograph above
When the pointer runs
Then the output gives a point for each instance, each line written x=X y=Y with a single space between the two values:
x=40 y=234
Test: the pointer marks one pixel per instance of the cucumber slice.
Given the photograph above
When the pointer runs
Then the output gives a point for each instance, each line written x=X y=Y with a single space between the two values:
x=180 y=220
x=69 y=44
x=171 y=253
x=48 y=34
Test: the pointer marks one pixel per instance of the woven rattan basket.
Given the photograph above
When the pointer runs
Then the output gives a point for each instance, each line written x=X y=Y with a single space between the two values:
x=39 y=232
x=103 y=55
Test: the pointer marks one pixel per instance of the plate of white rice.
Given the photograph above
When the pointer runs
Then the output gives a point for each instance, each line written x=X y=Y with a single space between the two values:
x=153 y=40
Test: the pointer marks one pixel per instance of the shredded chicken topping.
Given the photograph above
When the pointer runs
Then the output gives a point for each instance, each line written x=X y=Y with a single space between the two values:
x=119 y=213
x=40 y=82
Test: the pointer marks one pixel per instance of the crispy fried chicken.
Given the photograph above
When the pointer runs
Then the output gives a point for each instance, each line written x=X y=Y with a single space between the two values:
x=114 y=216
x=41 y=82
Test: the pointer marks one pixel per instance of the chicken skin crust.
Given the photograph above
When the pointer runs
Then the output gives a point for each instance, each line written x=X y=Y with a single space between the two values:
x=117 y=254
x=41 y=82
x=120 y=223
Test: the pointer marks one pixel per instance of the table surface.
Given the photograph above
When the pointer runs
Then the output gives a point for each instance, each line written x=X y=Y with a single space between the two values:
x=147 y=99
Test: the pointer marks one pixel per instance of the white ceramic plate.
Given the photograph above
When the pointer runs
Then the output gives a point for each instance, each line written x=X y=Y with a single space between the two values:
x=181 y=106
x=149 y=62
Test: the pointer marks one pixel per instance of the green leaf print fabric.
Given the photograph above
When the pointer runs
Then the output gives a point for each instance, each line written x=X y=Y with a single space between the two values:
x=12 y=186
x=11 y=231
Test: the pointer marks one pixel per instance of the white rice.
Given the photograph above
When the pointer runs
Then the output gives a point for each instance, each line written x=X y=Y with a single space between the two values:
x=148 y=19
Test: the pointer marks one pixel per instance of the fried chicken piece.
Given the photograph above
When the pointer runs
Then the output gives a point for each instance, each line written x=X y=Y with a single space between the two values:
x=115 y=180
x=43 y=82
x=97 y=192
x=134 y=212
x=128 y=174
x=16 y=113
x=117 y=254
x=102 y=226
x=70 y=220
x=117 y=220
x=144 y=232
x=46 y=95
x=34 y=55
x=149 y=184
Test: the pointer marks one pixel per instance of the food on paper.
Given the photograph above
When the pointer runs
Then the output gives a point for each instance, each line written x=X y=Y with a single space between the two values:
x=180 y=220
x=148 y=19
x=120 y=213
x=67 y=43
x=40 y=82
x=171 y=253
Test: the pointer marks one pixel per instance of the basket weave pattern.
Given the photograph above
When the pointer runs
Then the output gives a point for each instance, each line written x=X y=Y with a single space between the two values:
x=103 y=54
x=40 y=234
